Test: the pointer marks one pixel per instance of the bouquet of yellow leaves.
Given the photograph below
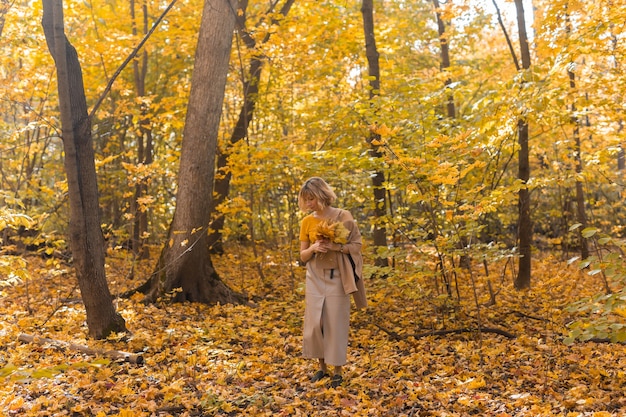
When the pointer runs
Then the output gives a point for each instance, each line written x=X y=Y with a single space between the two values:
x=334 y=231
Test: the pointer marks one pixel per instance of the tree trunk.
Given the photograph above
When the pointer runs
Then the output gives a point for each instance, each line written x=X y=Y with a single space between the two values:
x=5 y=5
x=86 y=239
x=525 y=229
x=144 y=145
x=380 y=196
x=250 y=97
x=621 y=154
x=464 y=259
x=445 y=58
x=185 y=261
x=580 y=194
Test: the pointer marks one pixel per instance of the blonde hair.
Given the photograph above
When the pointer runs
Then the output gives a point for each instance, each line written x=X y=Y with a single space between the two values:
x=318 y=189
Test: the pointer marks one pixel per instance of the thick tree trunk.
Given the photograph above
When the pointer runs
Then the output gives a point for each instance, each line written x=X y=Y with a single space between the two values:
x=86 y=239
x=525 y=230
x=380 y=196
x=185 y=262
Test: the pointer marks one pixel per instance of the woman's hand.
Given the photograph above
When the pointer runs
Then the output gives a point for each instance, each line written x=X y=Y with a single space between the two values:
x=322 y=246
x=319 y=246
x=326 y=245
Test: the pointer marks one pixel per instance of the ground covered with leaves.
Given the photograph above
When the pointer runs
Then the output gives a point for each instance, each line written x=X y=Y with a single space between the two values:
x=246 y=360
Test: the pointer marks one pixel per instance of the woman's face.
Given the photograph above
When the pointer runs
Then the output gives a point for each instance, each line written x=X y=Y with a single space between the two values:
x=312 y=204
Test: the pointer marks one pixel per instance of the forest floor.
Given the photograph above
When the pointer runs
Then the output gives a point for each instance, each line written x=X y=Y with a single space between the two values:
x=246 y=360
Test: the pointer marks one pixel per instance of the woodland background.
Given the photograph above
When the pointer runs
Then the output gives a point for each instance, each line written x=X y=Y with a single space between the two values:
x=448 y=331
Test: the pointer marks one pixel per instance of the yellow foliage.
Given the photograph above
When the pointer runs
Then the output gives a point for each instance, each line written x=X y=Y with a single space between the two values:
x=219 y=360
x=334 y=231
x=232 y=360
x=475 y=383
x=382 y=130
x=620 y=311
x=445 y=174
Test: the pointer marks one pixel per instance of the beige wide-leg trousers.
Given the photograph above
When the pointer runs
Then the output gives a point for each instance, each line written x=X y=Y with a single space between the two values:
x=326 y=318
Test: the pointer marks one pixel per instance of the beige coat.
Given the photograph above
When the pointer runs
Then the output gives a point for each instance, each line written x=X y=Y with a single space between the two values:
x=352 y=277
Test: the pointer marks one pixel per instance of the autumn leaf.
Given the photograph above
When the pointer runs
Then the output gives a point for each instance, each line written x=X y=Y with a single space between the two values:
x=334 y=231
x=226 y=359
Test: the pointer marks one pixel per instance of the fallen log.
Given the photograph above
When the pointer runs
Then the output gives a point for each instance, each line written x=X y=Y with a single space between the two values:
x=397 y=336
x=465 y=330
x=61 y=345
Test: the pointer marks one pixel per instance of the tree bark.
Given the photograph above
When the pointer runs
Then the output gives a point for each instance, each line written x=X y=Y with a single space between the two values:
x=580 y=193
x=144 y=144
x=250 y=97
x=63 y=345
x=445 y=58
x=380 y=196
x=5 y=5
x=621 y=154
x=185 y=262
x=525 y=229
x=509 y=43
x=464 y=260
x=86 y=239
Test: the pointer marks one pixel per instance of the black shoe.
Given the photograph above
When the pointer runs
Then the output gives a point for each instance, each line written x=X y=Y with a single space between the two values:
x=336 y=381
x=319 y=375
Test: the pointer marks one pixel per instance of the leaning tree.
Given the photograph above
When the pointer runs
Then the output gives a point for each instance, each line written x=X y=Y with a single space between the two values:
x=86 y=239
x=185 y=262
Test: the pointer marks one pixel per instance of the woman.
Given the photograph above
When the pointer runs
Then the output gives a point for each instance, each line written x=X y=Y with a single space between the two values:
x=330 y=245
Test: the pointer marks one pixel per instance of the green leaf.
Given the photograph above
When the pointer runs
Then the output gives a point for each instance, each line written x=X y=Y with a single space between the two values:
x=619 y=336
x=7 y=370
x=589 y=232
x=569 y=340
x=572 y=260
x=575 y=226
x=44 y=373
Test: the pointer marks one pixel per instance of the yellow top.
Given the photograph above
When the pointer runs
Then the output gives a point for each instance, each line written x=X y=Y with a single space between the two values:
x=308 y=228
x=308 y=233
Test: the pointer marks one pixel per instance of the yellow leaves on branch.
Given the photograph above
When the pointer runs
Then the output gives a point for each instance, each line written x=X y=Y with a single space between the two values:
x=378 y=142
x=382 y=130
x=445 y=174
x=12 y=219
x=145 y=202
x=107 y=160
x=137 y=173
x=334 y=231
